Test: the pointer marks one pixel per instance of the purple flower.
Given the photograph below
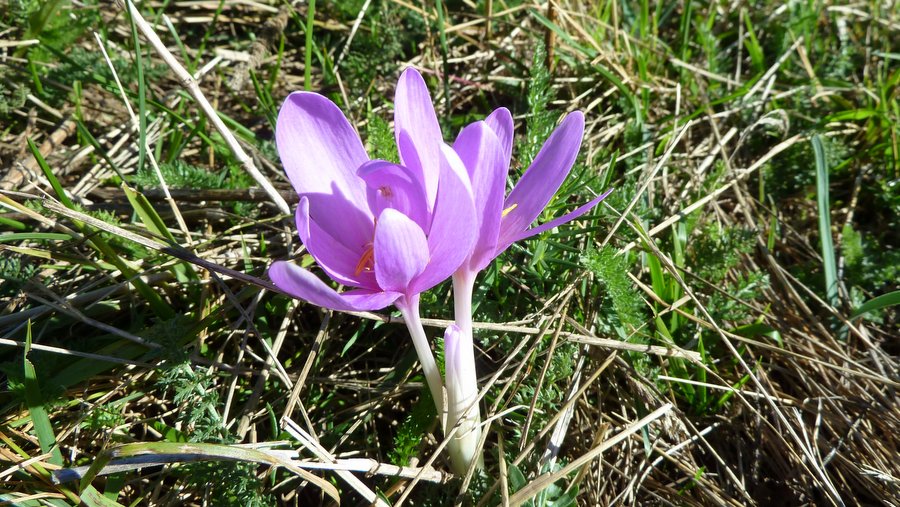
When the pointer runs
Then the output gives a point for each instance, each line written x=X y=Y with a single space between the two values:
x=389 y=231
x=485 y=148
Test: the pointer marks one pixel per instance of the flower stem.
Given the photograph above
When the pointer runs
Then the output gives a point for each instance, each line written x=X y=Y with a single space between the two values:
x=409 y=308
x=462 y=381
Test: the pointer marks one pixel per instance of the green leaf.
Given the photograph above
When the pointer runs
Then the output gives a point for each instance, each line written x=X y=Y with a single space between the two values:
x=57 y=188
x=154 y=223
x=753 y=46
x=877 y=303
x=93 y=498
x=827 y=244
x=516 y=478
x=34 y=236
x=852 y=115
x=35 y=402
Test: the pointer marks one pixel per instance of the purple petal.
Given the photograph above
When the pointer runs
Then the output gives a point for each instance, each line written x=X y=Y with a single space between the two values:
x=453 y=226
x=304 y=285
x=319 y=149
x=484 y=159
x=401 y=251
x=417 y=131
x=537 y=186
x=393 y=186
x=342 y=220
x=556 y=222
x=501 y=123
x=340 y=261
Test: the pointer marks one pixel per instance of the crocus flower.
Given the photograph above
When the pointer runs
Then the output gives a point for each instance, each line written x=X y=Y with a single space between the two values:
x=485 y=148
x=387 y=231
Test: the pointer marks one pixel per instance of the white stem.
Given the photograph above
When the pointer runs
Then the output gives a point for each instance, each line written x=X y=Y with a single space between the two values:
x=462 y=381
x=409 y=308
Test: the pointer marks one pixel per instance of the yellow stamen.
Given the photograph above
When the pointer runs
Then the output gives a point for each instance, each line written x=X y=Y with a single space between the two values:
x=509 y=209
x=367 y=261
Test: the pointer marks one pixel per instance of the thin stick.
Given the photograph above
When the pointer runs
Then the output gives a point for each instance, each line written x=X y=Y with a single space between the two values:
x=312 y=445
x=190 y=84
x=353 y=30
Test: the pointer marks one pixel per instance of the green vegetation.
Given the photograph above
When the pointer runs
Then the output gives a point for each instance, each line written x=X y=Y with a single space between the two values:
x=745 y=269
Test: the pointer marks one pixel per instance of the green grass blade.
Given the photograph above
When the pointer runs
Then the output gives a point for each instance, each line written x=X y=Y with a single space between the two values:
x=308 y=51
x=54 y=183
x=154 y=223
x=754 y=49
x=445 y=52
x=877 y=303
x=35 y=400
x=828 y=258
x=142 y=94
x=9 y=223
x=93 y=498
x=33 y=236
x=590 y=53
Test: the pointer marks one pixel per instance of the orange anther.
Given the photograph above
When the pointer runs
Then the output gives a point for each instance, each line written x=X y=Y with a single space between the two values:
x=367 y=261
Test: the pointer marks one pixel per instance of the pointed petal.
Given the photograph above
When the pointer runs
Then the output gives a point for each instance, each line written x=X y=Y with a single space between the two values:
x=368 y=300
x=340 y=261
x=401 y=251
x=484 y=159
x=342 y=220
x=389 y=185
x=556 y=222
x=319 y=149
x=453 y=227
x=417 y=131
x=304 y=285
x=537 y=186
x=501 y=123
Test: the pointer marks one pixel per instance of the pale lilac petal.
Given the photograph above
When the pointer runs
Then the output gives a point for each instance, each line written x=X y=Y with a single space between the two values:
x=365 y=300
x=389 y=185
x=341 y=262
x=501 y=123
x=417 y=131
x=454 y=225
x=537 y=186
x=351 y=226
x=304 y=285
x=484 y=159
x=401 y=251
x=556 y=222
x=319 y=149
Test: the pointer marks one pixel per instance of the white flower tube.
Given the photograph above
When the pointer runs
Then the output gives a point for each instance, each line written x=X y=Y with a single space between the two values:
x=462 y=381
x=462 y=394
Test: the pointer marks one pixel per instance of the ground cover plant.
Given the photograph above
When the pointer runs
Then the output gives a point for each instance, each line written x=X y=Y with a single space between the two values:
x=720 y=330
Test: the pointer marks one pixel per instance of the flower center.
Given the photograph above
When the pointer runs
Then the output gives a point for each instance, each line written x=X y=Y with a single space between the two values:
x=385 y=191
x=508 y=210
